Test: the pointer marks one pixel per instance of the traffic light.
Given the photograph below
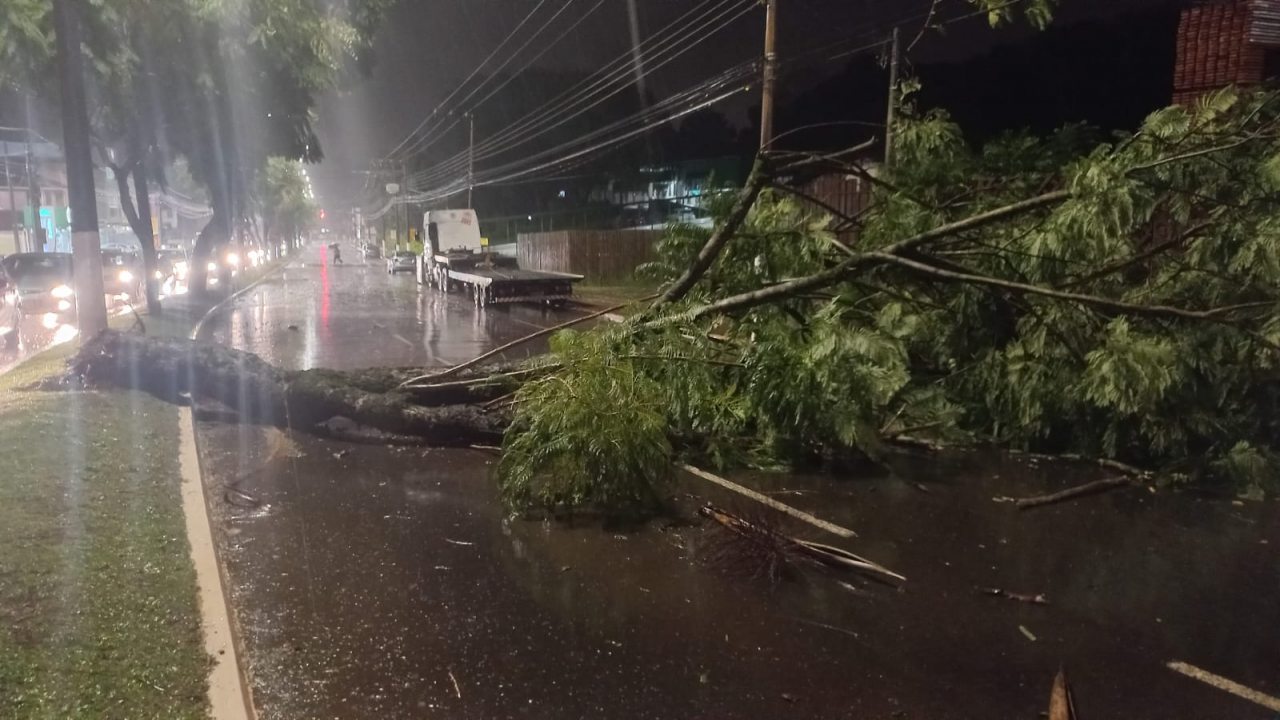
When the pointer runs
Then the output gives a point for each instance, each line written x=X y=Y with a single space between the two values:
x=323 y=216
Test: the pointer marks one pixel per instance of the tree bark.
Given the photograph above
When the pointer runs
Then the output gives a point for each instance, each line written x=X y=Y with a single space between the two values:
x=319 y=401
x=148 y=240
x=139 y=217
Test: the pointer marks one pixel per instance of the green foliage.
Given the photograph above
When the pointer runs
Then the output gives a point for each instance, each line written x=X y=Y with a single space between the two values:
x=1037 y=13
x=1170 y=360
x=287 y=207
x=593 y=435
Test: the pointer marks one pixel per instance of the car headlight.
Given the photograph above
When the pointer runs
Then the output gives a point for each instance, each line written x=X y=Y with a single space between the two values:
x=126 y=276
x=62 y=292
x=213 y=267
x=233 y=260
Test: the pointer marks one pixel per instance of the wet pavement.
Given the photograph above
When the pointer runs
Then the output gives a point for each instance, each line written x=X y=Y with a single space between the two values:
x=355 y=315
x=378 y=582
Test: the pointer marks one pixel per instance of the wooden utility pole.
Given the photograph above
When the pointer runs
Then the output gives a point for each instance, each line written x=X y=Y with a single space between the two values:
x=91 y=306
x=404 y=204
x=891 y=115
x=471 y=160
x=770 y=77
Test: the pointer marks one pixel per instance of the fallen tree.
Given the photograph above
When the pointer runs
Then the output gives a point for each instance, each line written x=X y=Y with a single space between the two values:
x=322 y=401
x=1066 y=295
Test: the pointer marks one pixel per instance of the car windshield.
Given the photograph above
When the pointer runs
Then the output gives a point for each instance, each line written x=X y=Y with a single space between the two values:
x=117 y=258
x=22 y=265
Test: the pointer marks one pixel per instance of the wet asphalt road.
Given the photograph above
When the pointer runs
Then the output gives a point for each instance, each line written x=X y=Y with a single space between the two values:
x=375 y=582
x=40 y=332
x=355 y=315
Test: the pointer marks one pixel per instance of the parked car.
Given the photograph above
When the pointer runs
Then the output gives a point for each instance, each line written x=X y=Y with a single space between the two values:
x=41 y=283
x=402 y=261
x=9 y=313
x=372 y=252
x=122 y=274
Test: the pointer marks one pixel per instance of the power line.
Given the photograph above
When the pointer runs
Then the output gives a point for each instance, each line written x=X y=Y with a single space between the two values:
x=591 y=92
x=479 y=67
x=559 y=108
x=501 y=67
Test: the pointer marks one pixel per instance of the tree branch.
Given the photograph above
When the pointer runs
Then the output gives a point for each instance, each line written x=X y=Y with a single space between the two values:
x=715 y=244
x=838 y=272
x=1213 y=314
x=1140 y=257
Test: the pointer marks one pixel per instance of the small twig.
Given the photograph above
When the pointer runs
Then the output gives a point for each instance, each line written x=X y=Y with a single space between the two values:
x=1092 y=488
x=499 y=401
x=825 y=626
x=456 y=689
x=520 y=341
x=1037 y=599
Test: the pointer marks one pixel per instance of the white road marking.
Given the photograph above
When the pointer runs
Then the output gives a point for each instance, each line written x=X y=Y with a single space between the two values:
x=770 y=502
x=1225 y=685
x=402 y=339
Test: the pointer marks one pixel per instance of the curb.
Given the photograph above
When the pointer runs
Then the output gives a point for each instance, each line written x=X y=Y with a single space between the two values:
x=230 y=693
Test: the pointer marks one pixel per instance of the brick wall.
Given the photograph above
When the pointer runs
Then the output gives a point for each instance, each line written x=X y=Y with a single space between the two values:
x=1214 y=50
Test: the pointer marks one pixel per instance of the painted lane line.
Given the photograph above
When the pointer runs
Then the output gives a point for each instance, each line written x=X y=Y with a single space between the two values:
x=1225 y=685
x=771 y=503
x=402 y=339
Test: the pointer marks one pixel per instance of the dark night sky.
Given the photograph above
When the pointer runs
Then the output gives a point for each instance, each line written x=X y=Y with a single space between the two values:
x=426 y=47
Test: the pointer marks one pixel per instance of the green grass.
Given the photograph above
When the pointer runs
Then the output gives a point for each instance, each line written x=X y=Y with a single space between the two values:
x=98 y=606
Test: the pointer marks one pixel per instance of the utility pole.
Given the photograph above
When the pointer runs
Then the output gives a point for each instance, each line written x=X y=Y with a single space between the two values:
x=471 y=160
x=91 y=306
x=769 y=85
x=404 y=205
x=891 y=115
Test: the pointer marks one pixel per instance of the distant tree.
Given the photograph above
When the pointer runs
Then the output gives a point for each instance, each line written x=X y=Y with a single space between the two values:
x=287 y=210
x=224 y=85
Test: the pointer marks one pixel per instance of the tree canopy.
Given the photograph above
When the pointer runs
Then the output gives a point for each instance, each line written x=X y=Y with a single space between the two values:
x=1112 y=297
x=224 y=85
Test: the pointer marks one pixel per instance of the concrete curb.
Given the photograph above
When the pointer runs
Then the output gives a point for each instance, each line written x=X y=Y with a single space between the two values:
x=230 y=693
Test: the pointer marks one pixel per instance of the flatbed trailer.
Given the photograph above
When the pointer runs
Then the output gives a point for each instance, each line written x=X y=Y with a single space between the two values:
x=465 y=265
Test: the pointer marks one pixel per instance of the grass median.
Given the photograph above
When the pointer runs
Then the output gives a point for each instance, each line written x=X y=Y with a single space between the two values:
x=99 y=616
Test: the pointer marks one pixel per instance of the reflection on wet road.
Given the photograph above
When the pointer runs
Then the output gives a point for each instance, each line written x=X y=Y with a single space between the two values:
x=40 y=332
x=389 y=583
x=316 y=314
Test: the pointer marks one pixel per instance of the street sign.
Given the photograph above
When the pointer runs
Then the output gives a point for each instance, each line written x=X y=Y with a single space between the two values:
x=393 y=188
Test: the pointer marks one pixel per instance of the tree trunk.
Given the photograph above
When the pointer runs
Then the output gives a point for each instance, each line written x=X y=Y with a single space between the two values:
x=148 y=241
x=215 y=234
x=319 y=401
x=139 y=216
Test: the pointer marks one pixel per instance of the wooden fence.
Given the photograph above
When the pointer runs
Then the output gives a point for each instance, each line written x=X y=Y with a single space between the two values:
x=600 y=255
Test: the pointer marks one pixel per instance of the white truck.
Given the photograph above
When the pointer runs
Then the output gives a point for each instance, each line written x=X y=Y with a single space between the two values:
x=456 y=259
